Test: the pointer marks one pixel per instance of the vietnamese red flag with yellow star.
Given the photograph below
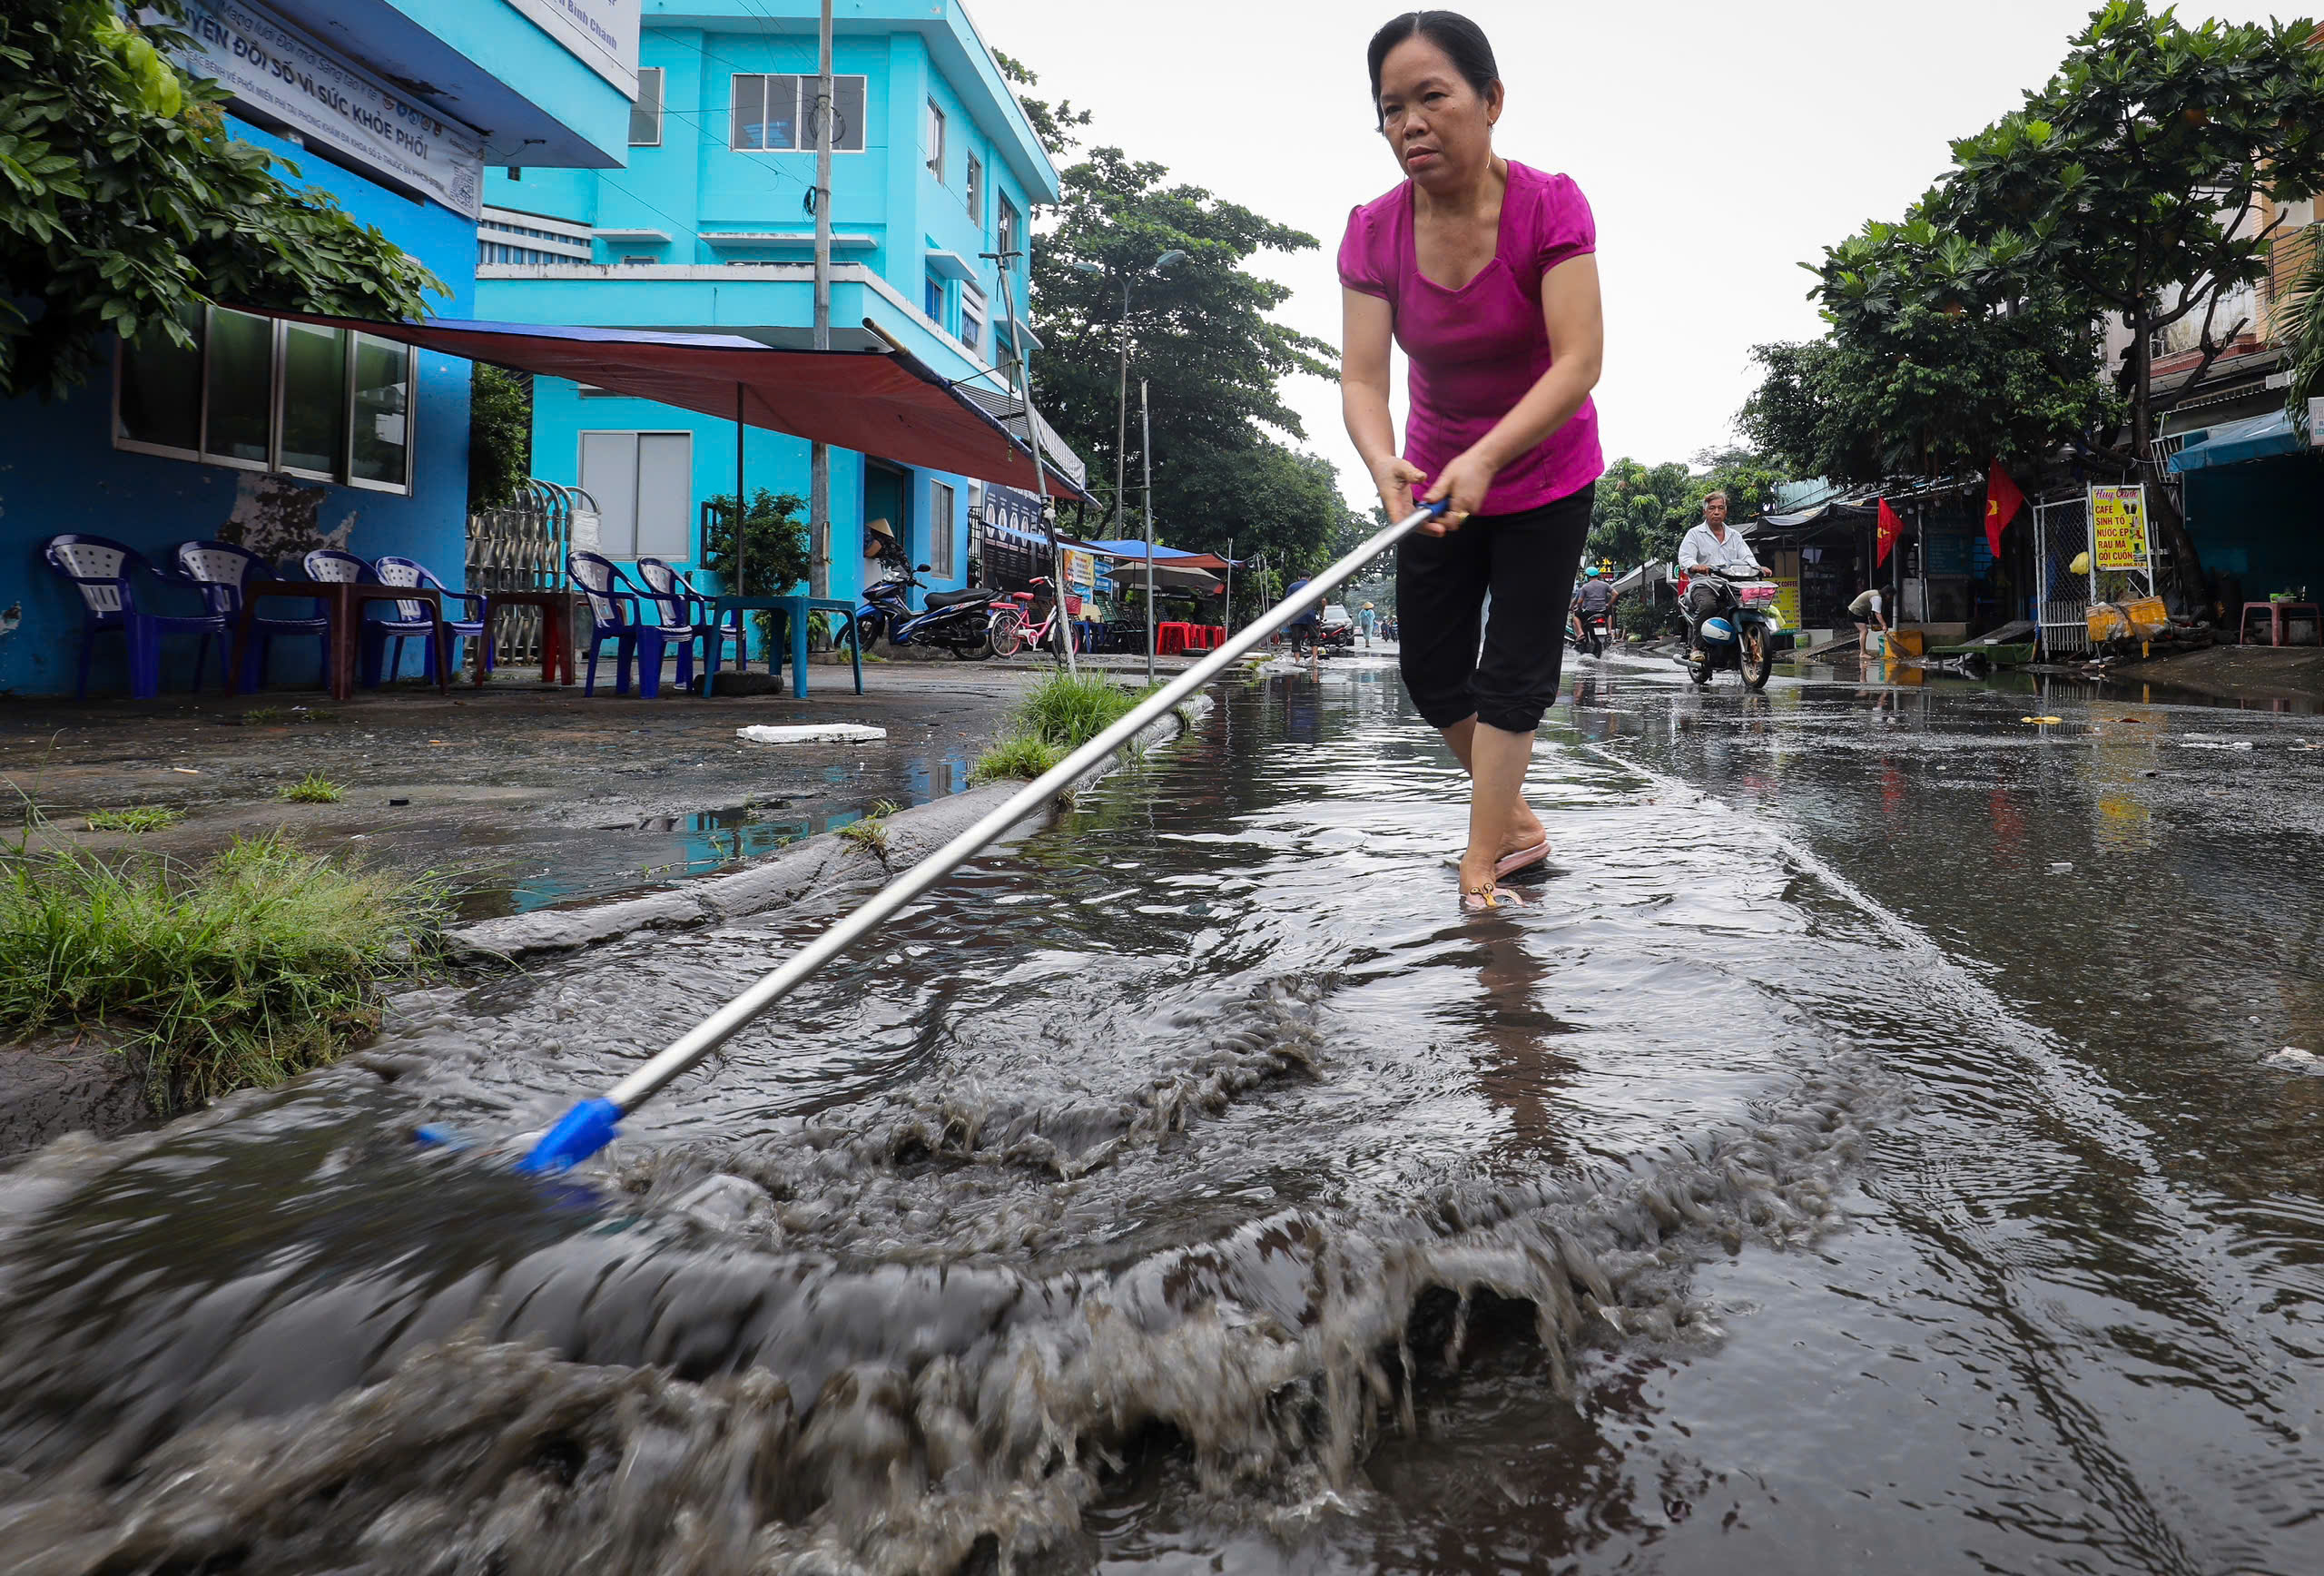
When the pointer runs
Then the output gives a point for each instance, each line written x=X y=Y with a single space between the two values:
x=1891 y=528
x=2003 y=500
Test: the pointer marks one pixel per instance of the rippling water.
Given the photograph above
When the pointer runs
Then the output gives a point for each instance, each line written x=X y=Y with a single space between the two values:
x=1810 y=1180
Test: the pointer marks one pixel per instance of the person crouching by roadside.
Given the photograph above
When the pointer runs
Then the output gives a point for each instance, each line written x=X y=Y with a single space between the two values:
x=1867 y=612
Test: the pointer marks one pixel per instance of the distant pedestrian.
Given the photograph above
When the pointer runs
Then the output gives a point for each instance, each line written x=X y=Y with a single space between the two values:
x=1366 y=620
x=1484 y=270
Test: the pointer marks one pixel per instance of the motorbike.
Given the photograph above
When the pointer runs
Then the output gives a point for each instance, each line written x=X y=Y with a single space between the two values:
x=960 y=622
x=1595 y=634
x=1740 y=631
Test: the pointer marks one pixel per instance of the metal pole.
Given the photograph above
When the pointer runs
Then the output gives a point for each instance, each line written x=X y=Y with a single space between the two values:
x=819 y=463
x=589 y=1125
x=1021 y=367
x=1146 y=453
x=741 y=508
x=1230 y=585
x=1121 y=421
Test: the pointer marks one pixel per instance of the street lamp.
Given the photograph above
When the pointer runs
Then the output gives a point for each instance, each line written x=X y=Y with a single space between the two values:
x=1122 y=433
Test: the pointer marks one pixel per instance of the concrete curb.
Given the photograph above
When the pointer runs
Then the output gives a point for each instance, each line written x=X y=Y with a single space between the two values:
x=816 y=864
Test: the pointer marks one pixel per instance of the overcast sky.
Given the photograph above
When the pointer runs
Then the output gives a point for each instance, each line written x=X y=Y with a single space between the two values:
x=1721 y=144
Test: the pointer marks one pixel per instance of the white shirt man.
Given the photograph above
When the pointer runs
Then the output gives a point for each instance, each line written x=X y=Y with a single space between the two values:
x=1711 y=546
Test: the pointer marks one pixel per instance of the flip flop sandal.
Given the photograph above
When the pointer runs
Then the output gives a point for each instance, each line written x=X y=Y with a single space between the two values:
x=1524 y=859
x=1486 y=898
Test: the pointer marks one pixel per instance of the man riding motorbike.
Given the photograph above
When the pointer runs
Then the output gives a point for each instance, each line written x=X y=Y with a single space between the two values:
x=1594 y=597
x=1712 y=549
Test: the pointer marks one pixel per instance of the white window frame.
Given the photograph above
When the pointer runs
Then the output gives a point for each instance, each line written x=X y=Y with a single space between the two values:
x=802 y=108
x=657 y=99
x=636 y=473
x=341 y=475
x=1010 y=225
x=934 y=131
x=942 y=559
x=973 y=183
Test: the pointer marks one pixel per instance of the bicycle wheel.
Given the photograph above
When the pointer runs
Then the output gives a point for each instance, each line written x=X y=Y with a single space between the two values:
x=1007 y=633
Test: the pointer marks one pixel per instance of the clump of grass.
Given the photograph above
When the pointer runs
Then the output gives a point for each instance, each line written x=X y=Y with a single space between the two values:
x=235 y=974
x=1058 y=715
x=314 y=788
x=870 y=834
x=136 y=818
x=1016 y=755
x=276 y=716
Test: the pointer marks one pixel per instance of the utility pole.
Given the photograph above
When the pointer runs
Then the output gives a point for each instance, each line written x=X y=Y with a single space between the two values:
x=1146 y=453
x=1121 y=432
x=1020 y=366
x=1230 y=585
x=819 y=464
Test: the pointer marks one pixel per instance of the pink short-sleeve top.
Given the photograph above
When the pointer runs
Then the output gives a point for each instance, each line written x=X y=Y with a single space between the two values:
x=1477 y=350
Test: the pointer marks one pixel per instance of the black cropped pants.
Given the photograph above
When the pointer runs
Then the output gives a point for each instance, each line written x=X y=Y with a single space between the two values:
x=1527 y=562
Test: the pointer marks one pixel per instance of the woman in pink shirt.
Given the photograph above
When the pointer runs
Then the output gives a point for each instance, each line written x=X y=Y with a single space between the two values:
x=1484 y=273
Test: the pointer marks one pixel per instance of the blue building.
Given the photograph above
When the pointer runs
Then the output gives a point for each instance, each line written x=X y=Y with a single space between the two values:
x=283 y=437
x=710 y=227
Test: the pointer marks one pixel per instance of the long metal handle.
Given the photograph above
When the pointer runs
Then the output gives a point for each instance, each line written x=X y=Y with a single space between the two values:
x=588 y=1125
x=730 y=1020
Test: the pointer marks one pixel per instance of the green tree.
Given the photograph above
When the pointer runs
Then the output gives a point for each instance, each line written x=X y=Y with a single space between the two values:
x=1202 y=336
x=124 y=201
x=774 y=544
x=500 y=435
x=2304 y=337
x=2131 y=184
x=1943 y=356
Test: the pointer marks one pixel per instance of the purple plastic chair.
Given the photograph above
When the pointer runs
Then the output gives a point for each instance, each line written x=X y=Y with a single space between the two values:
x=412 y=618
x=665 y=585
x=106 y=573
x=221 y=571
x=614 y=614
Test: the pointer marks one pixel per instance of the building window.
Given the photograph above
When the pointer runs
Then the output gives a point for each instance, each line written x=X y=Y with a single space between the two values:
x=975 y=191
x=645 y=114
x=1010 y=224
x=932 y=299
x=257 y=394
x=971 y=328
x=936 y=141
x=775 y=114
x=940 y=559
x=644 y=485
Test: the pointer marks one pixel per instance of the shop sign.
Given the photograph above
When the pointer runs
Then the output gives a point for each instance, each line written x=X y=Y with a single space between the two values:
x=2118 y=527
x=283 y=76
x=1009 y=511
x=602 y=34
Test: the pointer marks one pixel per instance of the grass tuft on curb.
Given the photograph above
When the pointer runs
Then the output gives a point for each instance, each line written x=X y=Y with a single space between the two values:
x=314 y=788
x=136 y=818
x=1058 y=715
x=234 y=974
x=870 y=834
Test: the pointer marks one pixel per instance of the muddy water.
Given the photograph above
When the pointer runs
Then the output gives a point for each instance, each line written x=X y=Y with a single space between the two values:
x=1814 y=1179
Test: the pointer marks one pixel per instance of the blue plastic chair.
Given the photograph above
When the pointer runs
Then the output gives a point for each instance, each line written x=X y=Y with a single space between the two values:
x=665 y=585
x=106 y=573
x=614 y=614
x=412 y=618
x=221 y=571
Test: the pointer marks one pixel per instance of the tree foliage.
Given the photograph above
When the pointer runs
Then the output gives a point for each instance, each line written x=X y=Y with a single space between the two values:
x=1054 y=123
x=1201 y=335
x=1640 y=511
x=124 y=200
x=500 y=435
x=774 y=544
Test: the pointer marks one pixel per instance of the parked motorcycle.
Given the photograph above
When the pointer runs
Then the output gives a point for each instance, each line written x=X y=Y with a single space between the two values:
x=1740 y=631
x=960 y=622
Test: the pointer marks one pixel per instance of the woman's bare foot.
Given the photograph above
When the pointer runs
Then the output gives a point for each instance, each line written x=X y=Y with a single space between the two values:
x=1525 y=832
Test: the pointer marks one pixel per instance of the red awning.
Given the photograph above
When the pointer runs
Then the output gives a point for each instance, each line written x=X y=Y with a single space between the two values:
x=887 y=404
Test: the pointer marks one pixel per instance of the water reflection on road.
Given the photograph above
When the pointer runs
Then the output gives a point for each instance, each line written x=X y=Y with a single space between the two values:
x=1858 y=1158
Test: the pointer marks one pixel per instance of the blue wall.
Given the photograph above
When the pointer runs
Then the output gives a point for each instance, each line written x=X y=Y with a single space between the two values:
x=59 y=472
x=773 y=460
x=2261 y=521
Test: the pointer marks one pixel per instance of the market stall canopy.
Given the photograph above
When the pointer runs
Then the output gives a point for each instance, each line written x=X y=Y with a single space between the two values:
x=2257 y=438
x=1134 y=550
x=884 y=403
x=1644 y=575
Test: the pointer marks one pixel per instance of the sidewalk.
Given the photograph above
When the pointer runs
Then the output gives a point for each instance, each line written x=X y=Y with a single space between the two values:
x=535 y=795
x=2284 y=676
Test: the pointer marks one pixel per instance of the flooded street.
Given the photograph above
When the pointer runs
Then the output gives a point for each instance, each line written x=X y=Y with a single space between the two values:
x=1860 y=1157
